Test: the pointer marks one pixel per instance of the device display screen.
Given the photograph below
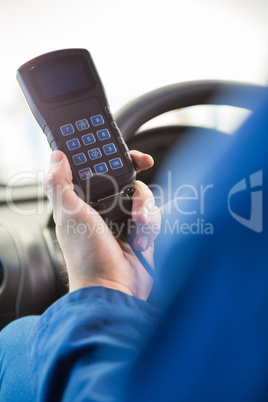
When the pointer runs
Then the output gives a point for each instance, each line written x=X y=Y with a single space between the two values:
x=62 y=79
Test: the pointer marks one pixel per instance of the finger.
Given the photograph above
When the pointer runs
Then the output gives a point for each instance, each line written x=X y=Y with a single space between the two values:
x=146 y=215
x=59 y=176
x=60 y=190
x=142 y=202
x=141 y=161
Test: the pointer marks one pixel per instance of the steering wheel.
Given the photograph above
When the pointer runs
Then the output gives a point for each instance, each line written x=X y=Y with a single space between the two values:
x=158 y=141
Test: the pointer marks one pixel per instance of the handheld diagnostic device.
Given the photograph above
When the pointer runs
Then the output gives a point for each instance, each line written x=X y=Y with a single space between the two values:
x=66 y=96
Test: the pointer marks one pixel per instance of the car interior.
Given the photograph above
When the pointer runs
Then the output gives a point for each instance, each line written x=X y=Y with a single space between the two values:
x=32 y=270
x=187 y=83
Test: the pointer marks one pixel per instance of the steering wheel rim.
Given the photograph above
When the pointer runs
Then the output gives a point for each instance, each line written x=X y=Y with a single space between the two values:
x=211 y=92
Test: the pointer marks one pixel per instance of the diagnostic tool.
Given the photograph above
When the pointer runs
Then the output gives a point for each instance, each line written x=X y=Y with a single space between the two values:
x=65 y=94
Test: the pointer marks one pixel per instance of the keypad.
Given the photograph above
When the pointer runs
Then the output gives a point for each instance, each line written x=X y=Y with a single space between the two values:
x=109 y=149
x=88 y=139
x=67 y=129
x=73 y=144
x=79 y=158
x=85 y=173
x=101 y=168
x=82 y=124
x=103 y=134
x=116 y=163
x=94 y=153
x=97 y=120
x=93 y=144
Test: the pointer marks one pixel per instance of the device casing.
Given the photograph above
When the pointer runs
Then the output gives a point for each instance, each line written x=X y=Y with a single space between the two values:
x=54 y=112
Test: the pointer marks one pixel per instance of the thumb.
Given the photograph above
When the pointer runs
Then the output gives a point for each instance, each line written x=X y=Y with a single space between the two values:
x=59 y=188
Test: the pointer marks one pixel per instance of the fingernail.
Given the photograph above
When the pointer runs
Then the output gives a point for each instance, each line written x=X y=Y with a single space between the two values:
x=55 y=157
x=142 y=243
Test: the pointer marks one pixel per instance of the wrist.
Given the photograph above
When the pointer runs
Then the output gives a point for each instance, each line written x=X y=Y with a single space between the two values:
x=83 y=282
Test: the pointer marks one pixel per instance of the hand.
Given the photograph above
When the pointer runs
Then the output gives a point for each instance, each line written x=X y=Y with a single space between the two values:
x=92 y=254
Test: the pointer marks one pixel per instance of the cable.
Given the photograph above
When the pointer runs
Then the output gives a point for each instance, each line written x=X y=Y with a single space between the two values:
x=142 y=259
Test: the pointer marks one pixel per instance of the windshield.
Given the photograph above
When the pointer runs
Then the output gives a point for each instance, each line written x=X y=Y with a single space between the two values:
x=137 y=46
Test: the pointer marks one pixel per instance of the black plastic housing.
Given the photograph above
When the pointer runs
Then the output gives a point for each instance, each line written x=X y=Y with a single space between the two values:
x=66 y=100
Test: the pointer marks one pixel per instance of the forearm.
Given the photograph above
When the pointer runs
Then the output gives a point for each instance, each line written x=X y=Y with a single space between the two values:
x=83 y=345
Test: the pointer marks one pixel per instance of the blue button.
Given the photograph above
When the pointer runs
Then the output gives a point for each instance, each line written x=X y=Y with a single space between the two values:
x=85 y=173
x=88 y=139
x=82 y=124
x=79 y=158
x=103 y=134
x=109 y=149
x=101 y=168
x=67 y=129
x=116 y=163
x=94 y=153
x=97 y=120
x=73 y=144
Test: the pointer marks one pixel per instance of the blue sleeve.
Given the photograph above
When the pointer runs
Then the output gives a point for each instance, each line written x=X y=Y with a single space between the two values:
x=214 y=334
x=82 y=346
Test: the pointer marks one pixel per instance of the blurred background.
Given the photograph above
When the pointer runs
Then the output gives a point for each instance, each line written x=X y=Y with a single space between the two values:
x=137 y=46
